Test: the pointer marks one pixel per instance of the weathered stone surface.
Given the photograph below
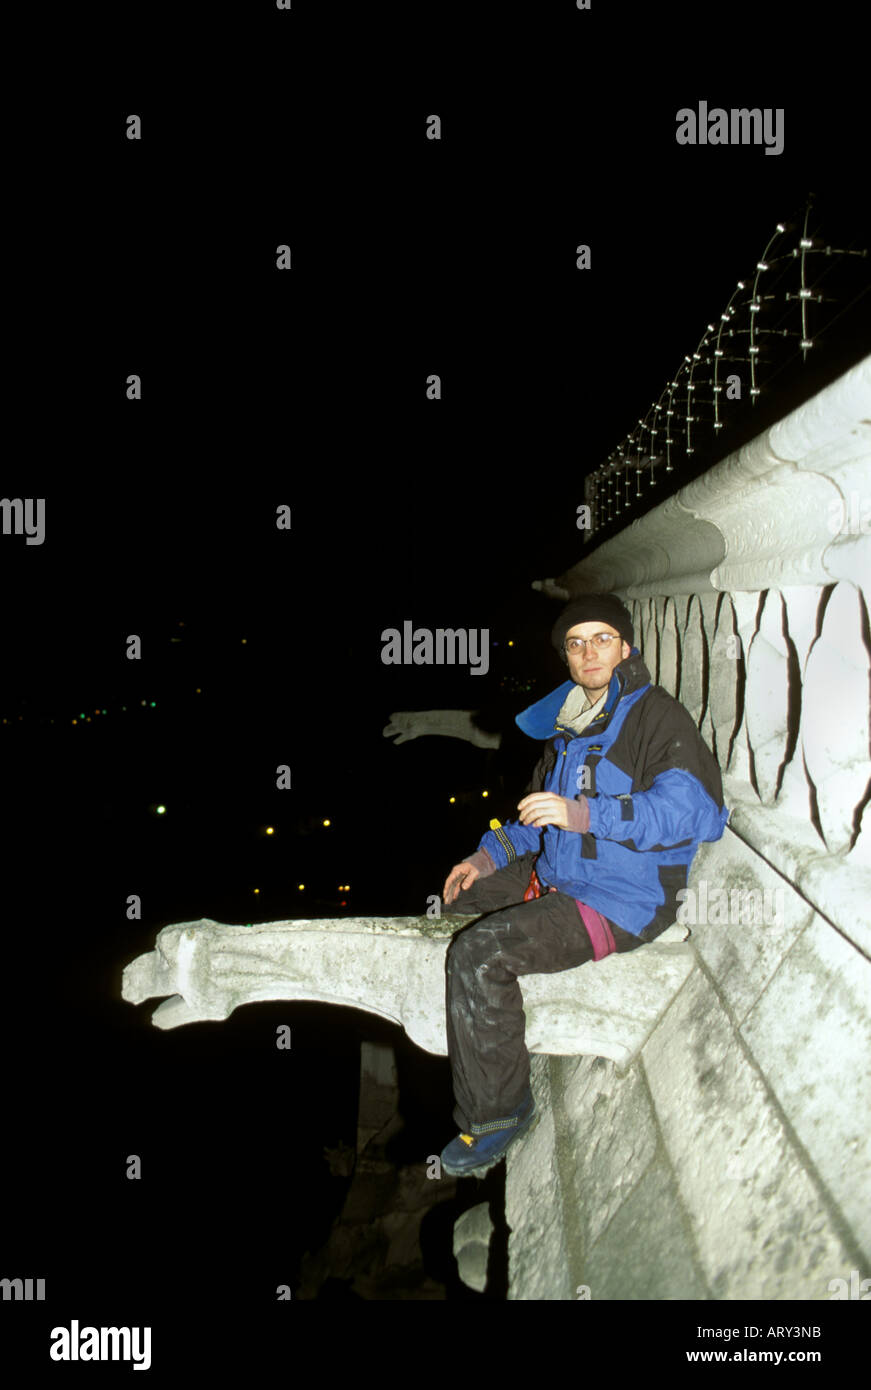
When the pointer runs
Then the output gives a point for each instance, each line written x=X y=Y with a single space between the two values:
x=838 y=885
x=472 y=1232
x=646 y=1251
x=759 y=1221
x=378 y=1117
x=842 y=885
x=836 y=723
x=613 y=1137
x=743 y=958
x=538 y=1256
x=587 y=1215
x=608 y=1008
x=395 y=967
x=811 y=1034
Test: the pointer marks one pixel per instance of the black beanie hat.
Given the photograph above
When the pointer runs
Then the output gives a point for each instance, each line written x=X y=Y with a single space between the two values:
x=591 y=608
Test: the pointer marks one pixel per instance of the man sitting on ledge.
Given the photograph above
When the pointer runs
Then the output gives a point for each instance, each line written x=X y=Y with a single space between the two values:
x=618 y=803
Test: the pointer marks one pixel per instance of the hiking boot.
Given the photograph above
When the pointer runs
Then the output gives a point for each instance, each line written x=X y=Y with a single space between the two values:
x=479 y=1151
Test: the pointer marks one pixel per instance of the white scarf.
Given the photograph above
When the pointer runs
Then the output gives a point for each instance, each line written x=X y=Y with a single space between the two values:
x=577 y=711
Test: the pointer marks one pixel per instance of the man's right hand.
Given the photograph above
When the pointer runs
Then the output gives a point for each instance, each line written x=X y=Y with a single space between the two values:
x=461 y=876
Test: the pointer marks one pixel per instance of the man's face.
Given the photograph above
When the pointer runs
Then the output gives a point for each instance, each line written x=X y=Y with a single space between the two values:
x=591 y=666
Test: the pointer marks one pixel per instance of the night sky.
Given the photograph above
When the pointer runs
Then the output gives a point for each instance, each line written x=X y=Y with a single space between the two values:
x=263 y=647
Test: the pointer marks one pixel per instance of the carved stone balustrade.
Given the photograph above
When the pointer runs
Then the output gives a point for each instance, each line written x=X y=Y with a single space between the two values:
x=732 y=1159
x=747 y=589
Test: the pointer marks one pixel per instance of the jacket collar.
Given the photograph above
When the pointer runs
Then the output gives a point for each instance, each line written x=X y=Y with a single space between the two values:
x=539 y=720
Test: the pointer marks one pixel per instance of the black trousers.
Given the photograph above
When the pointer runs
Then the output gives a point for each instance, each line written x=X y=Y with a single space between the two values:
x=486 y=1026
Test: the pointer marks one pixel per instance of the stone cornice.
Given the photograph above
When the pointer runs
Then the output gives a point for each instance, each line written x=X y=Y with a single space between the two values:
x=760 y=518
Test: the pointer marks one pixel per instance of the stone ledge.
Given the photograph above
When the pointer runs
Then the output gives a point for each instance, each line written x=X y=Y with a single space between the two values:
x=762 y=1225
x=837 y=885
x=395 y=967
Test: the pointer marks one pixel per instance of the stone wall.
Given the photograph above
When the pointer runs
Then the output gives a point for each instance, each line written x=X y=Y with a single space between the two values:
x=731 y=1158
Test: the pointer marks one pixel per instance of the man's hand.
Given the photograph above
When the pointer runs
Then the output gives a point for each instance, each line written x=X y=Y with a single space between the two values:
x=544 y=808
x=461 y=876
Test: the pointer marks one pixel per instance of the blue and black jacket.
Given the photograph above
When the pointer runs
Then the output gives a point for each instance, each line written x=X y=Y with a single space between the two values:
x=654 y=792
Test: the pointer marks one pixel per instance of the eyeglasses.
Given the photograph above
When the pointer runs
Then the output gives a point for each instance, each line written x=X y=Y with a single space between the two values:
x=601 y=640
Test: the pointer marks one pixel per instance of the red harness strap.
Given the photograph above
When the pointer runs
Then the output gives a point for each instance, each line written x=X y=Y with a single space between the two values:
x=535 y=888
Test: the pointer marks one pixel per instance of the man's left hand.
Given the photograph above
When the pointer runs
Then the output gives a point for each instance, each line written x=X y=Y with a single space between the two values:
x=544 y=808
